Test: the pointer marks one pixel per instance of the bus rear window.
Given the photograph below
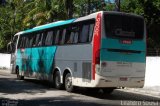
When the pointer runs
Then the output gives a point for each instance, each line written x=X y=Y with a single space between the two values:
x=124 y=26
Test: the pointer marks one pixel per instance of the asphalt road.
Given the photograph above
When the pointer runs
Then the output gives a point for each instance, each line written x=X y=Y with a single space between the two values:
x=31 y=92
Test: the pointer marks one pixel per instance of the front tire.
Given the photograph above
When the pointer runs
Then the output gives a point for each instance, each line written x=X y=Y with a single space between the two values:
x=19 y=77
x=68 y=83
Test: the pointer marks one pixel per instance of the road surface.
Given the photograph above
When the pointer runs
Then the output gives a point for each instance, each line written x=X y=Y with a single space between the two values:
x=31 y=92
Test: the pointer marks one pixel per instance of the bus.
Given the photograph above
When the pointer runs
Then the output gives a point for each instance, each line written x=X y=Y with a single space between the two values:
x=104 y=50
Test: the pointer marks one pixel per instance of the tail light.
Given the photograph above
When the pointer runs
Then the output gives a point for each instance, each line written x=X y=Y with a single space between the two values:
x=97 y=57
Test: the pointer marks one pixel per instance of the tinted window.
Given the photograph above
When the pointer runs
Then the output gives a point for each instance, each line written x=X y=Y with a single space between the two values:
x=34 y=40
x=72 y=34
x=123 y=26
x=22 y=42
x=87 y=31
x=57 y=36
x=85 y=34
x=49 y=38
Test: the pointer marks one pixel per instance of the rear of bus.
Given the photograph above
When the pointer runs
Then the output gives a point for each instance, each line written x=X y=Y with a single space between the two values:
x=122 y=56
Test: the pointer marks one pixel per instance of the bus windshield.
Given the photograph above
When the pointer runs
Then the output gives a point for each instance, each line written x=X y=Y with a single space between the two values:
x=124 y=26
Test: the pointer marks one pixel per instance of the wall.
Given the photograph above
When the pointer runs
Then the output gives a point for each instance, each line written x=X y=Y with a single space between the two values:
x=5 y=61
x=152 y=77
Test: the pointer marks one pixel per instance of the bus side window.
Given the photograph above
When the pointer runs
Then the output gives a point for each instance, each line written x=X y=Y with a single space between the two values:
x=26 y=41
x=91 y=30
x=84 y=34
x=67 y=36
x=63 y=36
x=34 y=40
x=60 y=40
x=54 y=37
x=30 y=40
x=72 y=34
x=22 y=42
x=87 y=31
x=57 y=36
x=49 y=38
x=76 y=33
x=38 y=39
x=43 y=38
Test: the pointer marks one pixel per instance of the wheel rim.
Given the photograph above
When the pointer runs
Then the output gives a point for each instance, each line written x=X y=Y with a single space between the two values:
x=68 y=82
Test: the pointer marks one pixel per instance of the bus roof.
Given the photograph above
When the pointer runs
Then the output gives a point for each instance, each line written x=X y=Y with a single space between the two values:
x=19 y=33
x=50 y=25
x=59 y=23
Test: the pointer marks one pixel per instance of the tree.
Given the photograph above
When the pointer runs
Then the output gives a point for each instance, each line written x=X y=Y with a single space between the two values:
x=17 y=15
x=150 y=9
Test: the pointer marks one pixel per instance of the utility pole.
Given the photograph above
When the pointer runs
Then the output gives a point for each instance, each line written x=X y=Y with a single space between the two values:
x=69 y=8
x=118 y=5
x=89 y=6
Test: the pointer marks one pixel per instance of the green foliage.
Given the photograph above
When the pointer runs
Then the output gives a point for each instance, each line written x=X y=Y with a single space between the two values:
x=150 y=9
x=19 y=15
x=5 y=25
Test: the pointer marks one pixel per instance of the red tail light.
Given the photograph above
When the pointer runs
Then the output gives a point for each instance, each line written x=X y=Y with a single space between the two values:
x=97 y=57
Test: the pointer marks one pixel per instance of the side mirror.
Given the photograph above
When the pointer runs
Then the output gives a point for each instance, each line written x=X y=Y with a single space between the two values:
x=10 y=47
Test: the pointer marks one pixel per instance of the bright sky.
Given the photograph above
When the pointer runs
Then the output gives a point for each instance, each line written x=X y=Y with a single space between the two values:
x=112 y=1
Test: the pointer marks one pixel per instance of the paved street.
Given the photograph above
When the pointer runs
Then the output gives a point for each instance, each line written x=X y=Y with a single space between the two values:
x=32 y=92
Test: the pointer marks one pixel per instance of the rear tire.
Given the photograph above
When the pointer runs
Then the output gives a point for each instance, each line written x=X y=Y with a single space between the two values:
x=56 y=80
x=68 y=83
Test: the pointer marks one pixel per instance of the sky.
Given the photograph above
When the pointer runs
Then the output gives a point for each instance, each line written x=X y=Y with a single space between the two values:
x=112 y=1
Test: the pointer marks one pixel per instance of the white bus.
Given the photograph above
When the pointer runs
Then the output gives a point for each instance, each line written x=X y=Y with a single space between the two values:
x=103 y=50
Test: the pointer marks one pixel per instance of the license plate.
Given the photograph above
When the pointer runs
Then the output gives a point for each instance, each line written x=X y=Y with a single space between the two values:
x=123 y=79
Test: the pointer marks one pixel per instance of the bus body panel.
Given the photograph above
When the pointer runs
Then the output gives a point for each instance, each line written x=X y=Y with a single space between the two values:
x=78 y=63
x=116 y=69
x=36 y=60
x=121 y=65
x=51 y=25
x=114 y=44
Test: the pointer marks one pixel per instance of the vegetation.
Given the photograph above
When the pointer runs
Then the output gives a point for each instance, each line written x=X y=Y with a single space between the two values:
x=17 y=15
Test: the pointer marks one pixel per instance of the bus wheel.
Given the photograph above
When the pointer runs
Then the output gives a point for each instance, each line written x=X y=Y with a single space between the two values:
x=68 y=83
x=108 y=90
x=56 y=80
x=19 y=77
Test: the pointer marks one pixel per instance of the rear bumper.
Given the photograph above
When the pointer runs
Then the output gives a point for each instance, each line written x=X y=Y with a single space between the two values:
x=133 y=82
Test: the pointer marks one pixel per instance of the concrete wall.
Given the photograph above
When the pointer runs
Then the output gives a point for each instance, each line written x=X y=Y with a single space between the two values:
x=5 y=61
x=152 y=77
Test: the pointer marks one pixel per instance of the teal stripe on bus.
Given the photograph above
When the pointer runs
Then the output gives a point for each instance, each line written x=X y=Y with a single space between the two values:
x=138 y=45
x=115 y=56
x=39 y=59
x=106 y=55
x=55 y=24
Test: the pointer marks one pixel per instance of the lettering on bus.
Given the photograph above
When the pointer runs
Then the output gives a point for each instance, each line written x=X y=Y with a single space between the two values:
x=97 y=27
